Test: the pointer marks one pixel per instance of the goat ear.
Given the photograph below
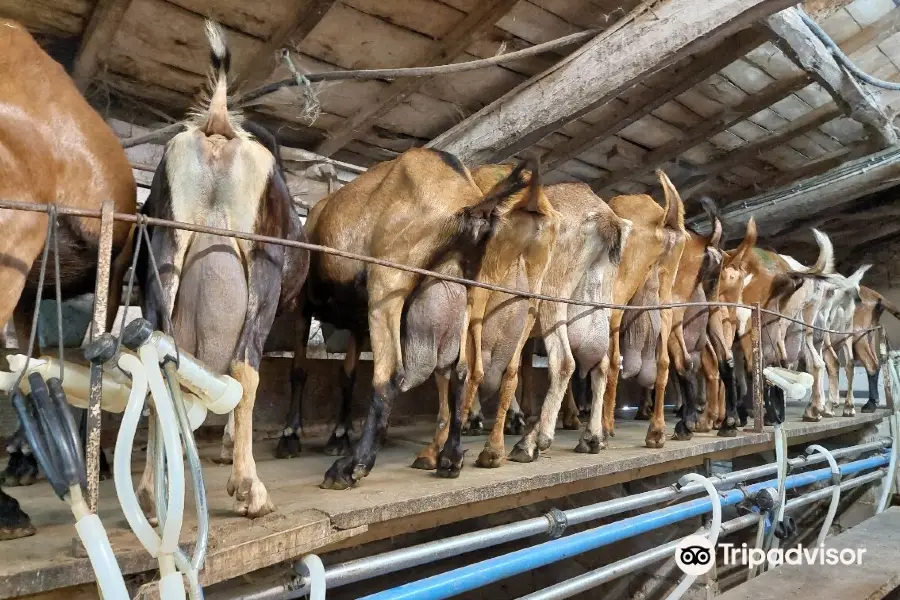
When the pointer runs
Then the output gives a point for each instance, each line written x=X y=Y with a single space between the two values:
x=674 y=218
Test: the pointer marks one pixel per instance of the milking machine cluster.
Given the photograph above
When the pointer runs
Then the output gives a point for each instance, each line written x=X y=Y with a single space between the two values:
x=146 y=362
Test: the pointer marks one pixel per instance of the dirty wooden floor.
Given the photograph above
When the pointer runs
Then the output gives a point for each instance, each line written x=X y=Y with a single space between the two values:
x=392 y=499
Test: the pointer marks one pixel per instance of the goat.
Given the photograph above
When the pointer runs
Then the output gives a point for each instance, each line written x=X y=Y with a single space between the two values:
x=775 y=284
x=656 y=241
x=838 y=348
x=421 y=209
x=55 y=150
x=722 y=327
x=221 y=293
x=866 y=345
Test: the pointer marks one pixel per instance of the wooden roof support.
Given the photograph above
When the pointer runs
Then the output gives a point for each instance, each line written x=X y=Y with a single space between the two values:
x=479 y=20
x=598 y=72
x=798 y=42
x=738 y=156
x=707 y=64
x=697 y=134
x=97 y=39
x=306 y=16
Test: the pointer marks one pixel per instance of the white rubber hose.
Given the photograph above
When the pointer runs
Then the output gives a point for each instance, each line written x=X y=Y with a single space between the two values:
x=316 y=576
x=835 y=493
x=714 y=528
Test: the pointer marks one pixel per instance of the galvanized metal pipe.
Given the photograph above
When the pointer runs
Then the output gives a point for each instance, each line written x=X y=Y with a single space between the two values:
x=480 y=574
x=406 y=558
x=592 y=579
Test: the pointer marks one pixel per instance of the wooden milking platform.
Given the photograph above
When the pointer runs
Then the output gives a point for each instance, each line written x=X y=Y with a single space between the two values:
x=393 y=499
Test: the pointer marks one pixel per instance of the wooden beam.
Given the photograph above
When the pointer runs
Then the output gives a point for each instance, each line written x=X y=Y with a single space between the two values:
x=680 y=80
x=97 y=39
x=807 y=122
x=305 y=18
x=697 y=134
x=598 y=72
x=479 y=20
x=866 y=38
x=799 y=43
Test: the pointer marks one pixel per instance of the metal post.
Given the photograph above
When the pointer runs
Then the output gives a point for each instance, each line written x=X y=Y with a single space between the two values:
x=98 y=326
x=758 y=381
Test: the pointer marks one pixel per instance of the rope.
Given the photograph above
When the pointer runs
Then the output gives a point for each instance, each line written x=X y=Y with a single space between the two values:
x=367 y=74
x=843 y=58
x=265 y=239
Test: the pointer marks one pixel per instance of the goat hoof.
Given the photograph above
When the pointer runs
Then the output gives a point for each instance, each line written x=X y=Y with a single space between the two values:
x=474 y=426
x=704 y=425
x=870 y=406
x=450 y=462
x=682 y=432
x=425 y=463
x=288 y=446
x=520 y=455
x=341 y=475
x=640 y=415
x=810 y=415
x=14 y=469
x=490 y=458
x=571 y=423
x=718 y=424
x=251 y=499
x=656 y=437
x=726 y=430
x=14 y=523
x=589 y=443
x=849 y=411
x=544 y=441
x=515 y=423
x=338 y=445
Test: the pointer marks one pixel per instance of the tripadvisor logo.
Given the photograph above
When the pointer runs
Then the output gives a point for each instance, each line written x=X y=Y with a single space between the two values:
x=695 y=556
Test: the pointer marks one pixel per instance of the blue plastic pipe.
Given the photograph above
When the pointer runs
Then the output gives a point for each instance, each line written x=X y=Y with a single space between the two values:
x=474 y=576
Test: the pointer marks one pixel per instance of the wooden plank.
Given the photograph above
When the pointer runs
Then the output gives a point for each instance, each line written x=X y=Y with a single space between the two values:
x=584 y=80
x=873 y=577
x=304 y=19
x=683 y=79
x=475 y=23
x=799 y=43
x=707 y=129
x=97 y=39
x=748 y=151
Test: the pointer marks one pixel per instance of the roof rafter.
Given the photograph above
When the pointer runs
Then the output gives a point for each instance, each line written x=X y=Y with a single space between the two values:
x=482 y=18
x=97 y=39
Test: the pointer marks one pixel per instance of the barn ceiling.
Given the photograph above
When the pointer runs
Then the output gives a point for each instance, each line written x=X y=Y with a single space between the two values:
x=732 y=117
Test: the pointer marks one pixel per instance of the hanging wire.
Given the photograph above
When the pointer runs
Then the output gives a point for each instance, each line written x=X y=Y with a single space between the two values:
x=37 y=299
x=843 y=58
x=134 y=260
x=59 y=320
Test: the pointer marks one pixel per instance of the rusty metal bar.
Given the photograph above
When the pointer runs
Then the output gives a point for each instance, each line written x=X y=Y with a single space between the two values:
x=98 y=327
x=128 y=218
x=758 y=382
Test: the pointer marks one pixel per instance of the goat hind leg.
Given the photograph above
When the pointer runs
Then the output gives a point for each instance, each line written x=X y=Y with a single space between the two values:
x=289 y=445
x=427 y=458
x=656 y=432
x=338 y=443
x=592 y=440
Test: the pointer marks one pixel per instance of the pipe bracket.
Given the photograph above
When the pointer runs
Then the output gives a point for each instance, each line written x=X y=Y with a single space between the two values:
x=558 y=523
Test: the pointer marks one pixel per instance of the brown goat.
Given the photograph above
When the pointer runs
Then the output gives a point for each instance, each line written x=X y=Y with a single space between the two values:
x=55 y=150
x=657 y=239
x=722 y=328
x=866 y=345
x=421 y=209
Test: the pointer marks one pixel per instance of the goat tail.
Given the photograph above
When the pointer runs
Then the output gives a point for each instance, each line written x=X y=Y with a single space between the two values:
x=619 y=239
x=674 y=213
x=856 y=278
x=890 y=307
x=715 y=221
x=215 y=119
x=825 y=262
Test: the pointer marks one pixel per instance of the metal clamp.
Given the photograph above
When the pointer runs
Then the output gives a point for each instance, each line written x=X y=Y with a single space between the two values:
x=558 y=523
